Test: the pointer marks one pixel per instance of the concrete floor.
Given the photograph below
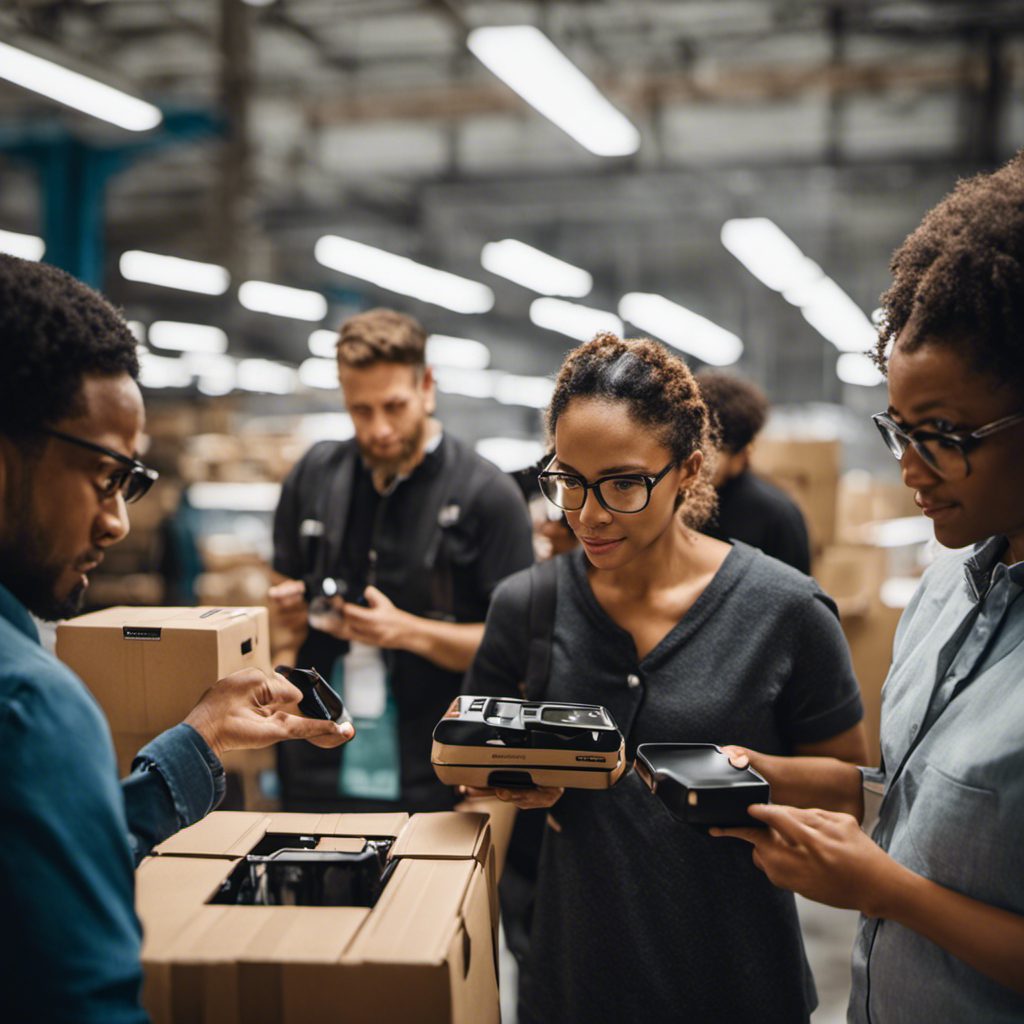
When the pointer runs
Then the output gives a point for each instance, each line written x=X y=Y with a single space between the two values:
x=828 y=936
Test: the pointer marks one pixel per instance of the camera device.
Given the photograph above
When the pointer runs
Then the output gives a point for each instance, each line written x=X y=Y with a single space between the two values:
x=518 y=744
x=319 y=700
x=699 y=785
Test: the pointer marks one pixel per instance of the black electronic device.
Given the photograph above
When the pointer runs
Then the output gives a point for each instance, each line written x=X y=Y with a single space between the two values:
x=319 y=700
x=699 y=785
x=516 y=744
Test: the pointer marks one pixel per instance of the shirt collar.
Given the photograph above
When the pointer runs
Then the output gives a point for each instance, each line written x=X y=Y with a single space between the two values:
x=984 y=567
x=17 y=614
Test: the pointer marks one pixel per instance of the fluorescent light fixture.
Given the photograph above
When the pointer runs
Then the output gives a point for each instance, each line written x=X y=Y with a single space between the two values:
x=533 y=392
x=896 y=591
x=509 y=453
x=264 y=375
x=138 y=329
x=681 y=328
x=28 y=247
x=179 y=337
x=174 y=272
x=324 y=343
x=535 y=269
x=464 y=353
x=163 y=372
x=319 y=373
x=768 y=253
x=325 y=426
x=572 y=319
x=471 y=383
x=234 y=497
x=214 y=374
x=855 y=368
x=280 y=300
x=835 y=316
x=530 y=64
x=403 y=275
x=75 y=90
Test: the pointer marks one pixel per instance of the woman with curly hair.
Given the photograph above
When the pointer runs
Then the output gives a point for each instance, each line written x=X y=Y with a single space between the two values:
x=683 y=638
x=940 y=883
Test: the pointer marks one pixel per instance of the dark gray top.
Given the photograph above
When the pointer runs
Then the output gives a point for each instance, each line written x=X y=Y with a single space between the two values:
x=639 y=917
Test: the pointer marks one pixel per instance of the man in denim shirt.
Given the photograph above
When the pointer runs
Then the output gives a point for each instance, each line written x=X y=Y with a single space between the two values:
x=941 y=881
x=70 y=419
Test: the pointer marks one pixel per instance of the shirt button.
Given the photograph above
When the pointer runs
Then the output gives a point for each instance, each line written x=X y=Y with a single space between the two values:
x=633 y=681
x=913 y=730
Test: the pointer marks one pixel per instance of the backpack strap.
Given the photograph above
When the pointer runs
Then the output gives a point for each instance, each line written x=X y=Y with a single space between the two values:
x=543 y=592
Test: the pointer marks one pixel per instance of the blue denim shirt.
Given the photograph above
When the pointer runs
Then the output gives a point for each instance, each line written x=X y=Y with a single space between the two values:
x=70 y=836
x=953 y=766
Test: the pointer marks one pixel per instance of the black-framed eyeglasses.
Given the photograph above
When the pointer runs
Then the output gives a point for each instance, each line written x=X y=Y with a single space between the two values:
x=621 y=492
x=132 y=482
x=946 y=454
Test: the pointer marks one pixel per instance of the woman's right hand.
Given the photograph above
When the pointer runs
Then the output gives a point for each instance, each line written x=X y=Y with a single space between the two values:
x=524 y=799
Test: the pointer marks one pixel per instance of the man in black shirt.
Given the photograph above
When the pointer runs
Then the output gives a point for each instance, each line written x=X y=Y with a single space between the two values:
x=749 y=509
x=411 y=531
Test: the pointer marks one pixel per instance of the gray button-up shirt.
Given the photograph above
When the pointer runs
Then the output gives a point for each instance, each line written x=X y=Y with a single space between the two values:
x=953 y=766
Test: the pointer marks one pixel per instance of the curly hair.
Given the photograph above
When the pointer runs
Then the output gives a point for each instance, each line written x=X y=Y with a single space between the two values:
x=53 y=331
x=958 y=279
x=381 y=336
x=738 y=407
x=661 y=393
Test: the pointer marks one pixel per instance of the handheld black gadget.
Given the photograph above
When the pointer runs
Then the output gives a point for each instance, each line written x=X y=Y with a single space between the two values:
x=319 y=700
x=517 y=744
x=699 y=785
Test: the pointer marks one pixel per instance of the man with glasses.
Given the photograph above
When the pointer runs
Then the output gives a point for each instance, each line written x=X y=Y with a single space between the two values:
x=71 y=417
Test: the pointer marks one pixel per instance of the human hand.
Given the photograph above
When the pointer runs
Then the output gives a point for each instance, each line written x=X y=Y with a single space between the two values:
x=291 y=612
x=247 y=709
x=379 y=623
x=524 y=799
x=822 y=855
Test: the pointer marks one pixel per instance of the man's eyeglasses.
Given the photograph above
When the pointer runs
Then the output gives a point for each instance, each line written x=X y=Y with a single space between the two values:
x=946 y=454
x=623 y=492
x=133 y=481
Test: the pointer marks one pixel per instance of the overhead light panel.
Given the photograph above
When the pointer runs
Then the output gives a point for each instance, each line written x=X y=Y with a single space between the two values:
x=535 y=270
x=836 y=317
x=280 y=300
x=163 y=372
x=510 y=453
x=681 y=328
x=174 y=272
x=180 y=337
x=572 y=319
x=470 y=383
x=530 y=64
x=324 y=343
x=533 y=392
x=75 y=90
x=855 y=368
x=403 y=275
x=464 y=353
x=28 y=247
x=264 y=375
x=319 y=373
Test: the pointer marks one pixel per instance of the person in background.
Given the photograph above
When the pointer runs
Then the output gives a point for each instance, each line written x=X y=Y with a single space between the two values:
x=71 y=418
x=682 y=638
x=940 y=882
x=750 y=509
x=413 y=531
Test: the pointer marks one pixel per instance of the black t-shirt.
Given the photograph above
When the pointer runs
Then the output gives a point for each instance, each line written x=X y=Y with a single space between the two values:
x=759 y=514
x=638 y=917
x=481 y=542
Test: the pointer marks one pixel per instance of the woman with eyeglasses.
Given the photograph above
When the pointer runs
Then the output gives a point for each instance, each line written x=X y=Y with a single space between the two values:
x=940 y=883
x=683 y=638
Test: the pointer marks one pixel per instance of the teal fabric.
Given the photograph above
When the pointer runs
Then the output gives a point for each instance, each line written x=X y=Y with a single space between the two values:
x=69 y=937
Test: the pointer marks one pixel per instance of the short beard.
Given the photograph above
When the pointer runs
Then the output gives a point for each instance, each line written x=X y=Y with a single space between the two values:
x=392 y=467
x=24 y=568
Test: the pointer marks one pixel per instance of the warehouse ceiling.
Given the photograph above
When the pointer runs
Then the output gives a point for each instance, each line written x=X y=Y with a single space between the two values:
x=370 y=119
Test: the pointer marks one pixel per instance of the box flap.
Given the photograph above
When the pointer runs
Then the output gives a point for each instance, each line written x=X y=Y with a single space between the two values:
x=220 y=834
x=314 y=935
x=362 y=824
x=341 y=844
x=446 y=835
x=417 y=915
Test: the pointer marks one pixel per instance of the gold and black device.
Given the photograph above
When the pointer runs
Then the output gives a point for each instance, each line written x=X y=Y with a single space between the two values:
x=518 y=744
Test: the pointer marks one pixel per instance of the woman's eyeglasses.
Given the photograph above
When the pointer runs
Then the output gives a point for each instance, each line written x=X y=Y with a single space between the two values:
x=132 y=482
x=622 y=492
x=946 y=454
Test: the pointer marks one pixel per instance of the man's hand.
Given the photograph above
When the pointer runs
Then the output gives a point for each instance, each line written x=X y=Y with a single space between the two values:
x=291 y=612
x=380 y=623
x=524 y=799
x=822 y=855
x=246 y=710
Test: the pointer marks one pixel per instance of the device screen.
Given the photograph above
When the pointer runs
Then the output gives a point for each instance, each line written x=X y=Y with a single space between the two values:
x=589 y=717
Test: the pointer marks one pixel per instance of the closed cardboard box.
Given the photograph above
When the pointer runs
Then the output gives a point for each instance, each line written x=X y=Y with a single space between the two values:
x=425 y=952
x=148 y=667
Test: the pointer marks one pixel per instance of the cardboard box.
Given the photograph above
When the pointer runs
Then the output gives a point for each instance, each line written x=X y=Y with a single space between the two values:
x=424 y=953
x=148 y=667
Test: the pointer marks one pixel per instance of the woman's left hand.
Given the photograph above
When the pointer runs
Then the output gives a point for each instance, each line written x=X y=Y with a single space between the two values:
x=524 y=799
x=822 y=855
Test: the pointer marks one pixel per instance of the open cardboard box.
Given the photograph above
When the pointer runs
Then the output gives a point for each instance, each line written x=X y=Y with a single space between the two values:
x=424 y=953
x=147 y=667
